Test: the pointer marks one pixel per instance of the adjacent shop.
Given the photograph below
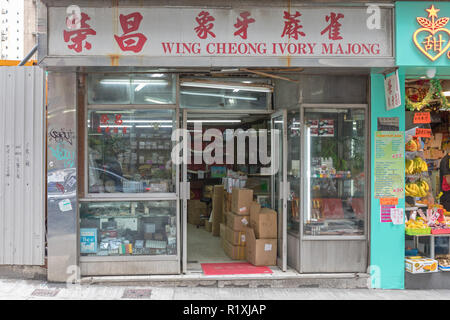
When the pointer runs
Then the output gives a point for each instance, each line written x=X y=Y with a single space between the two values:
x=171 y=131
x=416 y=227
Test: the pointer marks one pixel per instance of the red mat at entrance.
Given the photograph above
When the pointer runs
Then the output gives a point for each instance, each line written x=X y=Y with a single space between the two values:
x=214 y=269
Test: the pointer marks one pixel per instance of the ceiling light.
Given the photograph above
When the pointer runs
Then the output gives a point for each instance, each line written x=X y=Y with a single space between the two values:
x=215 y=121
x=147 y=121
x=212 y=85
x=218 y=95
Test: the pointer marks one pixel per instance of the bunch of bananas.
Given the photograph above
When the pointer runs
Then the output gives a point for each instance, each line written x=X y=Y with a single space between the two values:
x=416 y=224
x=419 y=188
x=417 y=165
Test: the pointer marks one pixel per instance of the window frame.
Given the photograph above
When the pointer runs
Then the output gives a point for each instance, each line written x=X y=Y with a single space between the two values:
x=367 y=188
x=121 y=196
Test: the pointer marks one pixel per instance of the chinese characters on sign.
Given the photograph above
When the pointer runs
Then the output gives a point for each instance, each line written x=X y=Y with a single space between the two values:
x=423 y=133
x=131 y=42
x=105 y=124
x=78 y=37
x=161 y=32
x=292 y=25
x=435 y=37
x=204 y=20
x=242 y=25
x=392 y=91
x=422 y=117
x=334 y=27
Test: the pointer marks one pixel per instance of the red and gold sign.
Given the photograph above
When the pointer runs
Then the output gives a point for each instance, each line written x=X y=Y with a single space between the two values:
x=436 y=40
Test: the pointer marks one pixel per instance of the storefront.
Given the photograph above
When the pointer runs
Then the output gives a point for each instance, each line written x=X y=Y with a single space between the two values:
x=124 y=81
x=423 y=58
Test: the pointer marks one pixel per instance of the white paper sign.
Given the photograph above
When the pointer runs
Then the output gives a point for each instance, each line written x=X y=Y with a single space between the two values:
x=268 y=247
x=392 y=91
x=65 y=205
x=397 y=215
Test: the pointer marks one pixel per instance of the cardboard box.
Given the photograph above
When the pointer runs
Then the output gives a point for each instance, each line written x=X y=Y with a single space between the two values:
x=236 y=238
x=196 y=209
x=241 y=200
x=237 y=222
x=227 y=201
x=234 y=252
x=421 y=265
x=222 y=230
x=208 y=226
x=260 y=252
x=217 y=207
x=264 y=223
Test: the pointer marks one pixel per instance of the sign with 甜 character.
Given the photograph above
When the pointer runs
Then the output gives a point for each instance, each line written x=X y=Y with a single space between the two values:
x=309 y=32
x=432 y=39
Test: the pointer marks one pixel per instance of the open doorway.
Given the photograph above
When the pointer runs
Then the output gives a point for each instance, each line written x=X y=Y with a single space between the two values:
x=236 y=139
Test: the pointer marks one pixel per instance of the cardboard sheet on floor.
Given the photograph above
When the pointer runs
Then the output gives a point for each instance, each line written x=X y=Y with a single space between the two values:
x=214 y=269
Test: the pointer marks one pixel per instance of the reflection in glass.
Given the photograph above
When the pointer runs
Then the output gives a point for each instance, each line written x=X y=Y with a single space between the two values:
x=129 y=151
x=152 y=88
x=224 y=97
x=128 y=228
x=335 y=162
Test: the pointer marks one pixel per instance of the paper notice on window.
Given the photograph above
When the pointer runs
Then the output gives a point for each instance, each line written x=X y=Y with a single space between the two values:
x=397 y=215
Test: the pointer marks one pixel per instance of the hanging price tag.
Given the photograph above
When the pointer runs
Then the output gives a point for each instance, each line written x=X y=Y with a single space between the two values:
x=422 y=117
x=424 y=133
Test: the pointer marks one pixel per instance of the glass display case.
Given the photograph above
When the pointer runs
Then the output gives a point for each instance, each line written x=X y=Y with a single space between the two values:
x=132 y=228
x=335 y=155
x=129 y=151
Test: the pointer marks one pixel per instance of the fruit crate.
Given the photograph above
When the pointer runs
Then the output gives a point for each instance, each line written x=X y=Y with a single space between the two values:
x=440 y=231
x=415 y=232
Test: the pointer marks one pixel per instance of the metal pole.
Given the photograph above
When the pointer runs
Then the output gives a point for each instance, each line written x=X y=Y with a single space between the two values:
x=28 y=56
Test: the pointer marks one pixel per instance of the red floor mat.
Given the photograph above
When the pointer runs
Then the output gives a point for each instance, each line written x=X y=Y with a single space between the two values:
x=214 y=269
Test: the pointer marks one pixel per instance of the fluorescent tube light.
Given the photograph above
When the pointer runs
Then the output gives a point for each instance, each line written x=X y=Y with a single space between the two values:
x=147 y=121
x=236 y=86
x=215 y=121
x=218 y=95
x=153 y=126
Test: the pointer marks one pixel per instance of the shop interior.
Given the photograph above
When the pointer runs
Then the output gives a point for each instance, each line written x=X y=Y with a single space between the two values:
x=427 y=194
x=203 y=243
x=130 y=206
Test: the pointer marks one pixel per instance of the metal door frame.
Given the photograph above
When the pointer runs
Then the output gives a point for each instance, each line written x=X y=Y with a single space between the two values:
x=282 y=261
x=184 y=185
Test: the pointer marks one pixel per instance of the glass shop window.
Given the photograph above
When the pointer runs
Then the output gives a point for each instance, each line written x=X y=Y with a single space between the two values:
x=335 y=170
x=152 y=88
x=225 y=94
x=128 y=228
x=129 y=151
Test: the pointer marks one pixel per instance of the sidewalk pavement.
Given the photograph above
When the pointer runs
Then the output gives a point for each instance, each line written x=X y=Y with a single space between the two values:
x=35 y=290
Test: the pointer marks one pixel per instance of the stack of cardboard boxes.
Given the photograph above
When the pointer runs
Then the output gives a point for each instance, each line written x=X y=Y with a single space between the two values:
x=261 y=249
x=249 y=232
x=233 y=231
